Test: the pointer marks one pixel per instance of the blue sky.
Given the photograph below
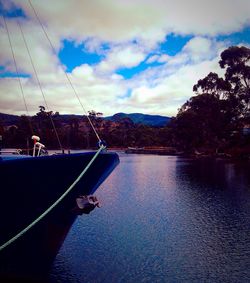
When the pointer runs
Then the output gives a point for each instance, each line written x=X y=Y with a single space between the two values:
x=73 y=55
x=133 y=56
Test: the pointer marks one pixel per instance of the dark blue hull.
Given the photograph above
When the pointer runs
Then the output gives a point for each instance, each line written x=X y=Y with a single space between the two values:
x=28 y=187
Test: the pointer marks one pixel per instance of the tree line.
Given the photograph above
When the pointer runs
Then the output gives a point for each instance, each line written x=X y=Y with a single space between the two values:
x=75 y=131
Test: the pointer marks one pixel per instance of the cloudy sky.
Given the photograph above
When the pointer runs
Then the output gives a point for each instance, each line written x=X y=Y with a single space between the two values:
x=120 y=55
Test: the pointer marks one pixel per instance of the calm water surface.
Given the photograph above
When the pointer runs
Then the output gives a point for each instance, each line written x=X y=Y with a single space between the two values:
x=163 y=219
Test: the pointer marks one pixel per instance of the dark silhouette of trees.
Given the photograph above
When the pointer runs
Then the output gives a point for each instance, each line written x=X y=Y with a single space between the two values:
x=73 y=132
x=215 y=117
x=214 y=85
x=236 y=62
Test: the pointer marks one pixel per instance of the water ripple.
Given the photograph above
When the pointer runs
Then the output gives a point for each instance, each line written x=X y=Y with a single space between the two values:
x=164 y=219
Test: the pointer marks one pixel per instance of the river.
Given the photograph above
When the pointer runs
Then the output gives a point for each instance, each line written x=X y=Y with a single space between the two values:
x=163 y=219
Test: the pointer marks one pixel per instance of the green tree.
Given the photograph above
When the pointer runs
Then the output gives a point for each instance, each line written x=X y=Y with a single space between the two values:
x=236 y=61
x=220 y=107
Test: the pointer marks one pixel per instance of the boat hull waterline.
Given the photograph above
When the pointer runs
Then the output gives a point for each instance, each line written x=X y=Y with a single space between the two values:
x=29 y=186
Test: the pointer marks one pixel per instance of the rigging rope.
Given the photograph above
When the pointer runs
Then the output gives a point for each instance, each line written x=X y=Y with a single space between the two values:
x=19 y=79
x=26 y=229
x=39 y=84
x=67 y=77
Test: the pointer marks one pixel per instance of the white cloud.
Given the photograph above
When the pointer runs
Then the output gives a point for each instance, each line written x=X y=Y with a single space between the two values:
x=158 y=58
x=122 y=57
x=165 y=88
x=39 y=48
x=153 y=59
x=201 y=48
x=147 y=21
x=132 y=29
x=84 y=71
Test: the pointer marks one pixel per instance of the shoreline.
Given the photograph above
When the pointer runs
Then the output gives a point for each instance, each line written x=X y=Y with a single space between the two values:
x=165 y=151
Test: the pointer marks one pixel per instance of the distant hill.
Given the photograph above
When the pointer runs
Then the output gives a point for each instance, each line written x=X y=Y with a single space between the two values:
x=139 y=118
x=8 y=119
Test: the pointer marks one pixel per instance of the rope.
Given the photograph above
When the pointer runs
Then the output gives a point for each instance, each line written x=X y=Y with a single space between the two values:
x=40 y=86
x=67 y=77
x=19 y=79
x=54 y=204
